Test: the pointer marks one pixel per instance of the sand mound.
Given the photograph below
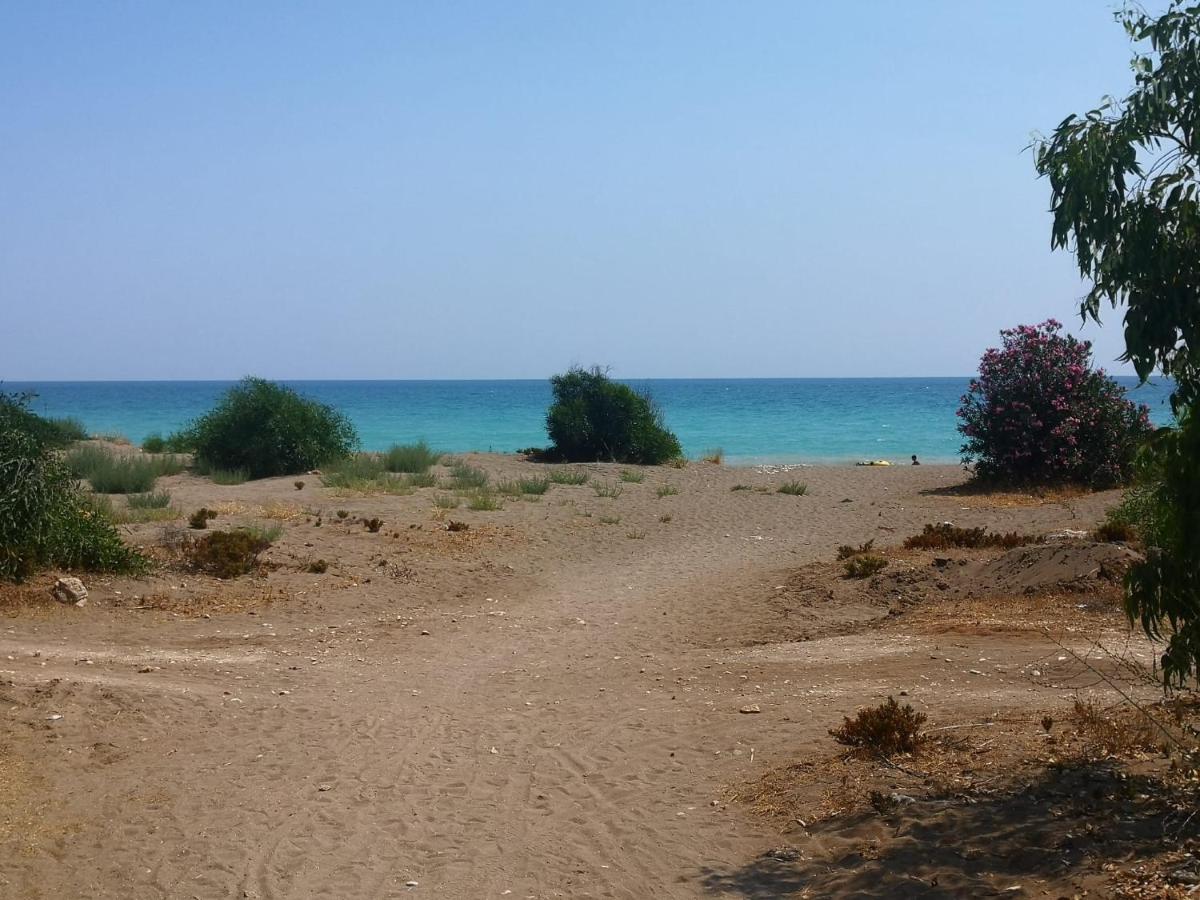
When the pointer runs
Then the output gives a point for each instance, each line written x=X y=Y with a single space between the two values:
x=1054 y=567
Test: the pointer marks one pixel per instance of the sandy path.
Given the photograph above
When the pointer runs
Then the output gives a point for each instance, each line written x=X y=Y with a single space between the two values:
x=569 y=731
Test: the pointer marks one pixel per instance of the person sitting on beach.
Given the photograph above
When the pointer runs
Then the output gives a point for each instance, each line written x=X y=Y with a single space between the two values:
x=916 y=462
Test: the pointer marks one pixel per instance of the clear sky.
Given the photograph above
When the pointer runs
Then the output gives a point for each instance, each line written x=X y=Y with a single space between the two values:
x=502 y=189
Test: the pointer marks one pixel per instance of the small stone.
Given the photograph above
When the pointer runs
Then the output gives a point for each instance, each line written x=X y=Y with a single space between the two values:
x=70 y=590
x=749 y=710
x=324 y=786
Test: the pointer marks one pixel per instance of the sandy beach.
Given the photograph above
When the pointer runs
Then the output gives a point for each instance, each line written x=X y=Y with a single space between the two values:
x=576 y=696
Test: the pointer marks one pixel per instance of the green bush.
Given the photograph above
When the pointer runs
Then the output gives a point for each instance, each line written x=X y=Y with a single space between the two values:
x=1163 y=507
x=154 y=443
x=265 y=429
x=593 y=417
x=414 y=459
x=793 y=488
x=51 y=433
x=227 y=554
x=45 y=520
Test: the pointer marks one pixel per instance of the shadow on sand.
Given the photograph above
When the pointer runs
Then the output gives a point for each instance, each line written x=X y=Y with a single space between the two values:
x=1059 y=829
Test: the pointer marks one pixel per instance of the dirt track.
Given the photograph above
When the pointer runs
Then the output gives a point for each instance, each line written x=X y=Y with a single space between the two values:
x=547 y=708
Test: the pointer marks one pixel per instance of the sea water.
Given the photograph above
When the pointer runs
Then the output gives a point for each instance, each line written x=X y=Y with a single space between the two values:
x=785 y=420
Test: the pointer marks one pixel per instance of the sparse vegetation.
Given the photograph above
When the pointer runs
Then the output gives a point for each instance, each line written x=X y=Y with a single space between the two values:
x=228 y=477
x=886 y=729
x=483 y=501
x=154 y=443
x=610 y=520
x=457 y=526
x=793 y=488
x=464 y=477
x=716 y=456
x=318 y=567
x=113 y=473
x=446 y=501
x=947 y=535
x=593 y=417
x=298 y=485
x=846 y=551
x=666 y=490
x=741 y=487
x=569 y=476
x=373 y=524
x=632 y=476
x=153 y=500
x=864 y=566
x=607 y=489
x=413 y=459
x=366 y=473
x=665 y=518
x=265 y=429
x=635 y=535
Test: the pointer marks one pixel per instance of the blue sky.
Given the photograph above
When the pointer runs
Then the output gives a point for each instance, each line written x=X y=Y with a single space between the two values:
x=401 y=190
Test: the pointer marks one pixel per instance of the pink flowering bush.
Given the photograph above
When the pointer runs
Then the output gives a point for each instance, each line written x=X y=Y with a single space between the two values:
x=1039 y=413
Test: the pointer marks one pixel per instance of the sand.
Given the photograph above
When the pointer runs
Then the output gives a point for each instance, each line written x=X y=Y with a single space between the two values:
x=548 y=704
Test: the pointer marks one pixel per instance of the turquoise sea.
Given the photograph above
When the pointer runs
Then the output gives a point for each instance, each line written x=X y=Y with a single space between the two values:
x=787 y=420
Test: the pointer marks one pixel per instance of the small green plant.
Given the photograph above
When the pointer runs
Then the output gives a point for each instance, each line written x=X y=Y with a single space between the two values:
x=464 y=477
x=153 y=500
x=715 y=456
x=632 y=476
x=298 y=485
x=607 y=489
x=227 y=554
x=537 y=486
x=886 y=729
x=847 y=551
x=482 y=501
x=154 y=443
x=446 y=501
x=373 y=524
x=677 y=462
x=610 y=520
x=414 y=459
x=421 y=480
x=201 y=517
x=364 y=473
x=665 y=518
x=318 y=567
x=793 y=488
x=342 y=513
x=635 y=535
x=457 y=526
x=864 y=566
x=569 y=476
x=666 y=490
x=741 y=487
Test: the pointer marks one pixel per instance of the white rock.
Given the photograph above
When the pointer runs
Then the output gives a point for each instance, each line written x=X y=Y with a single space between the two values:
x=69 y=590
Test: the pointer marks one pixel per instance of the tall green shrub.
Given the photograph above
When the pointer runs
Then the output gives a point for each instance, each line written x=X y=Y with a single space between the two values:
x=265 y=429
x=595 y=418
x=45 y=520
